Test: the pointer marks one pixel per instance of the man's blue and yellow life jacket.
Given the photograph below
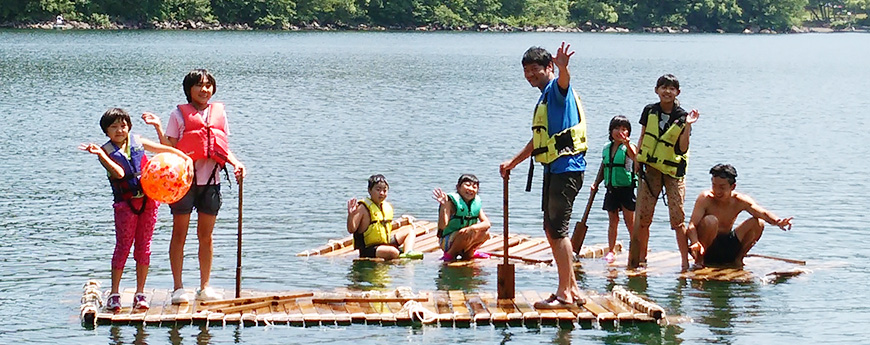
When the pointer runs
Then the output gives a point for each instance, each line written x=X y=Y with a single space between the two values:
x=571 y=141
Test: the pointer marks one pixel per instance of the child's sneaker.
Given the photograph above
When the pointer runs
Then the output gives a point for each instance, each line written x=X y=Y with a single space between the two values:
x=179 y=296
x=139 y=301
x=208 y=294
x=447 y=257
x=480 y=255
x=113 y=302
x=411 y=255
x=609 y=257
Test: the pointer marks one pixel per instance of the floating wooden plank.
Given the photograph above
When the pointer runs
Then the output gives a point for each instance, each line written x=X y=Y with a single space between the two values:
x=548 y=317
x=531 y=318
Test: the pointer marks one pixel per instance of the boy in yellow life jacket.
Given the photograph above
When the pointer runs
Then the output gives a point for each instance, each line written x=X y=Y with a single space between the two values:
x=617 y=172
x=462 y=224
x=372 y=225
x=663 y=156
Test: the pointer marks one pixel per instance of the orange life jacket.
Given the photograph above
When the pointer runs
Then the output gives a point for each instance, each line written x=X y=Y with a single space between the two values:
x=202 y=140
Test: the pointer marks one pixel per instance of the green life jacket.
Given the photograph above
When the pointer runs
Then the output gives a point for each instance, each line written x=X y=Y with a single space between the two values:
x=615 y=174
x=659 y=150
x=466 y=213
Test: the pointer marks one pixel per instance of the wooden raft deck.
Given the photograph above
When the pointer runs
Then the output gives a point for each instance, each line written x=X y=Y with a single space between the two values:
x=522 y=248
x=402 y=308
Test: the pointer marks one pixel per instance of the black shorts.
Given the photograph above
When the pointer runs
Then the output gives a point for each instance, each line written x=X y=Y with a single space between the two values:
x=724 y=250
x=617 y=198
x=558 y=201
x=206 y=199
x=372 y=251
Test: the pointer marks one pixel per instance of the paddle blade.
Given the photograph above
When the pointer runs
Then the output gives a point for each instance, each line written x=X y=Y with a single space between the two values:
x=579 y=236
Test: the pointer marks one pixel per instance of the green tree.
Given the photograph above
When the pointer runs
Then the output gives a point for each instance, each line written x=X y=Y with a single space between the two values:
x=710 y=15
x=773 y=14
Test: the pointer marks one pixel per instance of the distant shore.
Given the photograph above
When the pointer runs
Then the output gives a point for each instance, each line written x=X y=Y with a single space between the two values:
x=314 y=26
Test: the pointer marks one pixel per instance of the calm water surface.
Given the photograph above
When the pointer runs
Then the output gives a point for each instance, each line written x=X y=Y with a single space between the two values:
x=314 y=114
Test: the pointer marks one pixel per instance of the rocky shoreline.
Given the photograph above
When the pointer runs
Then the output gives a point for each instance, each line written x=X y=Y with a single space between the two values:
x=315 y=26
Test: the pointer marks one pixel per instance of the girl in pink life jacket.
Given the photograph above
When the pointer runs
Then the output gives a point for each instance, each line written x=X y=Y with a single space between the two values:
x=123 y=156
x=200 y=129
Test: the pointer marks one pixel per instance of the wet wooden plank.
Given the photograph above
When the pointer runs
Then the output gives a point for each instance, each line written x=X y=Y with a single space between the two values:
x=462 y=316
x=481 y=315
x=531 y=318
x=402 y=318
x=372 y=316
x=443 y=308
x=356 y=312
x=429 y=304
x=387 y=317
x=309 y=312
x=498 y=316
x=294 y=313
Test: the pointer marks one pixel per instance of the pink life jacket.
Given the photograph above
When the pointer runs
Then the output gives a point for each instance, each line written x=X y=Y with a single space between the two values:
x=202 y=140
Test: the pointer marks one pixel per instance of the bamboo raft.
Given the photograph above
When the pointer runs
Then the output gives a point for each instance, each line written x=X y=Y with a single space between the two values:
x=400 y=307
x=522 y=248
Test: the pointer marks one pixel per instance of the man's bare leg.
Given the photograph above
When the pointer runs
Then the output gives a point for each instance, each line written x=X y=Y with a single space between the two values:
x=707 y=231
x=748 y=232
x=562 y=254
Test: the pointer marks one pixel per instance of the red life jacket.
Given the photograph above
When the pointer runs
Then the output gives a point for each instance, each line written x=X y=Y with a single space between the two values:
x=202 y=140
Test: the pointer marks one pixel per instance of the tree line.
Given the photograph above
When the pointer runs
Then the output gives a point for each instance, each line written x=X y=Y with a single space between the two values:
x=699 y=15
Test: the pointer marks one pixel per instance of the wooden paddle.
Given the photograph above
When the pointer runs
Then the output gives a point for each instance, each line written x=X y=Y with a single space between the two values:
x=506 y=272
x=580 y=228
x=239 y=246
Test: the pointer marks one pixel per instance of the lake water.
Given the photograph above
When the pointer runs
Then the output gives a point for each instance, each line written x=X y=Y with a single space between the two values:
x=314 y=114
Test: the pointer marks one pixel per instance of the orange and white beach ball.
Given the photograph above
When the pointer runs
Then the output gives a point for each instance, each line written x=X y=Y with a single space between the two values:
x=166 y=178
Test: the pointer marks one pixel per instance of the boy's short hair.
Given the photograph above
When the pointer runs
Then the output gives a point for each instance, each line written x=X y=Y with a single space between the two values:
x=725 y=171
x=618 y=121
x=193 y=77
x=377 y=178
x=537 y=55
x=668 y=80
x=467 y=178
x=112 y=115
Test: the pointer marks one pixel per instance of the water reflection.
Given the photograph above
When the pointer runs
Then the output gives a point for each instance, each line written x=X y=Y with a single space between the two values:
x=722 y=304
x=116 y=336
x=467 y=278
x=369 y=275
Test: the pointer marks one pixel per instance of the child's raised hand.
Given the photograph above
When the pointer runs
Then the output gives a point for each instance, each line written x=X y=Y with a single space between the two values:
x=151 y=119
x=563 y=56
x=352 y=206
x=92 y=148
x=692 y=117
x=440 y=196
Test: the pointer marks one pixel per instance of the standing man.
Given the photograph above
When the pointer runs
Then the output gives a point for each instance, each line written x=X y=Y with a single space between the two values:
x=714 y=242
x=559 y=143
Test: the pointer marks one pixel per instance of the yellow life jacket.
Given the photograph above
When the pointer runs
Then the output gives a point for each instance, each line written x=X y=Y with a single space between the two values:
x=659 y=151
x=381 y=224
x=571 y=141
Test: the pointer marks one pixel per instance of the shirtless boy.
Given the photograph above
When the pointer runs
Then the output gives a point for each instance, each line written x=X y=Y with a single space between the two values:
x=714 y=243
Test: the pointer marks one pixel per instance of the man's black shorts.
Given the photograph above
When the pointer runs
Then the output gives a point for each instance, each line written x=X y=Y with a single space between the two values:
x=617 y=198
x=724 y=250
x=558 y=201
